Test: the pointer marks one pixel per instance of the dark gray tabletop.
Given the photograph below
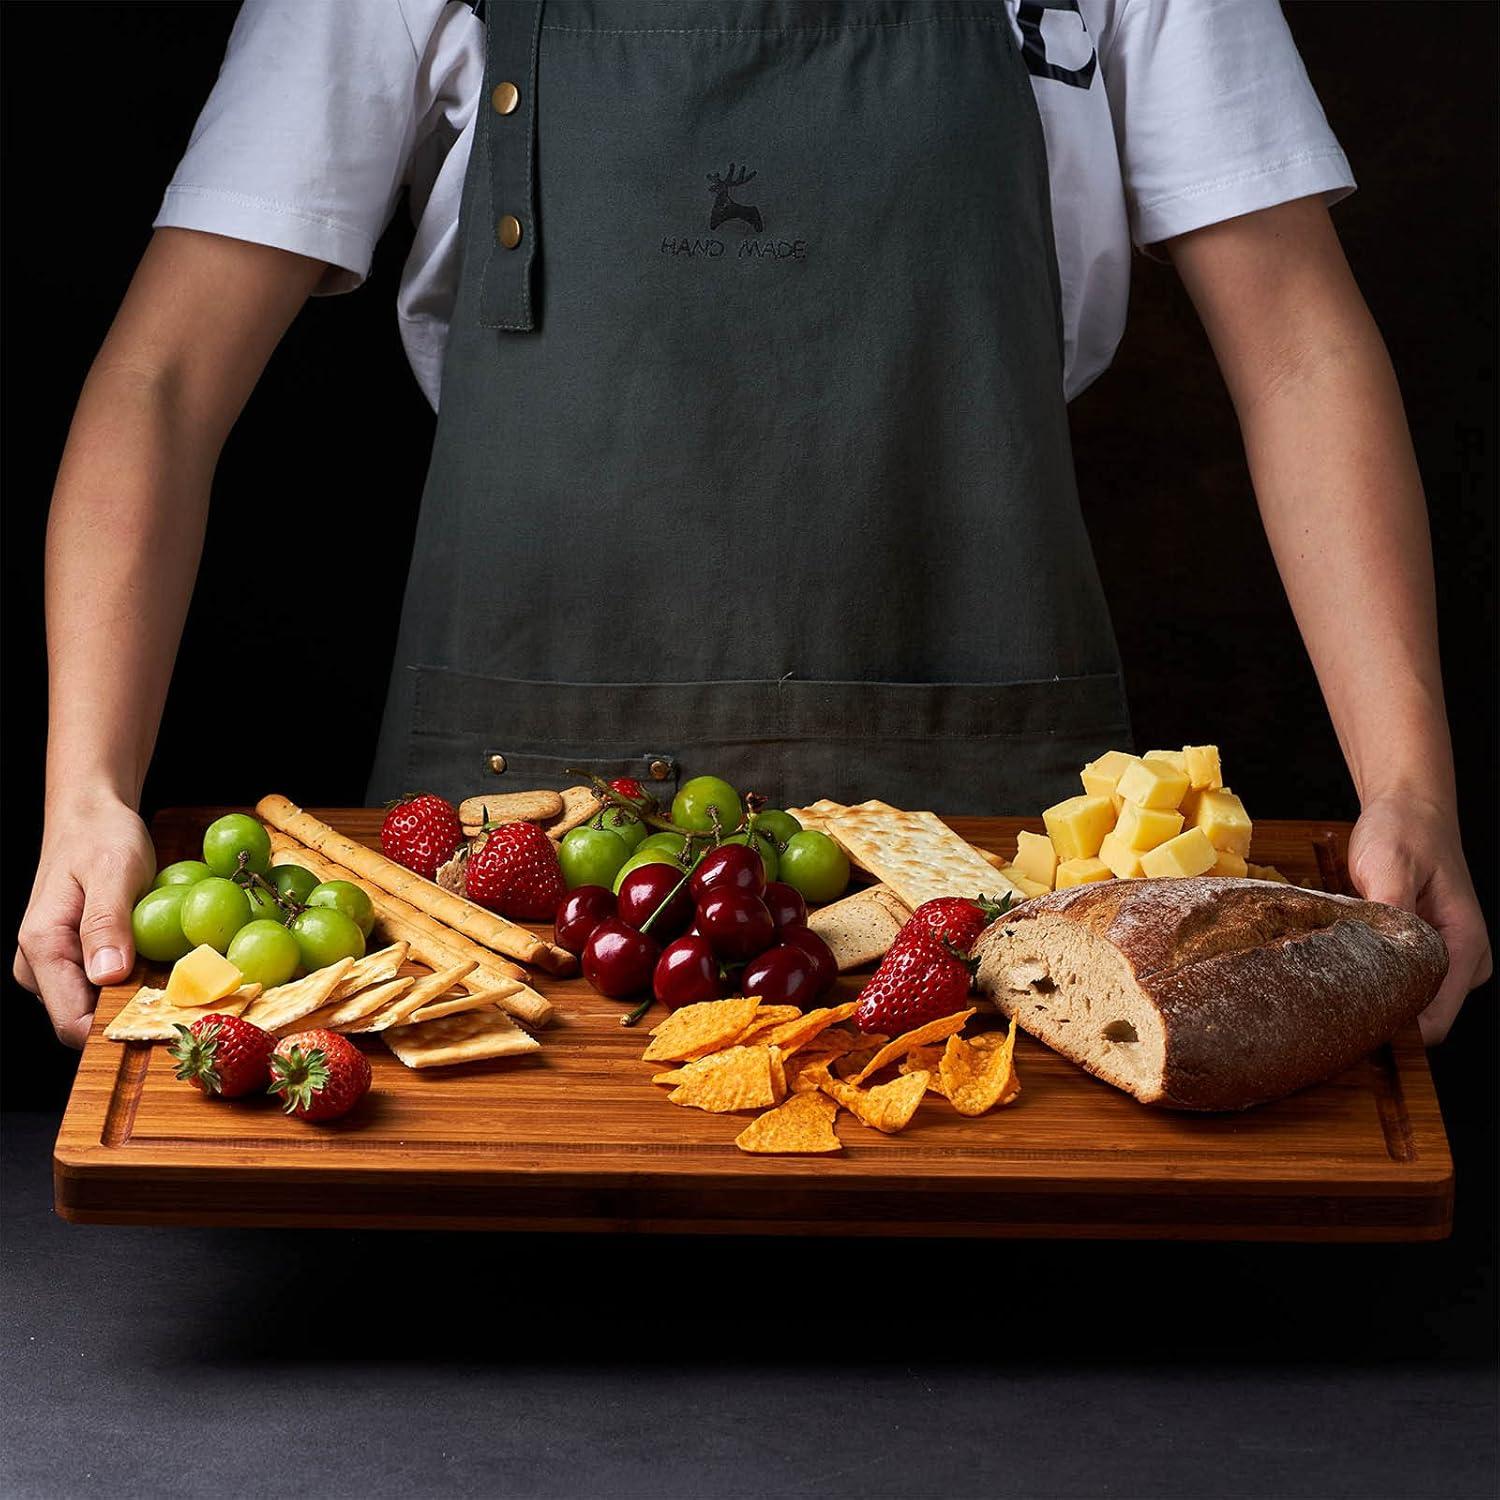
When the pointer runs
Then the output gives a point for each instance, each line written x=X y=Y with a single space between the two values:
x=208 y=1362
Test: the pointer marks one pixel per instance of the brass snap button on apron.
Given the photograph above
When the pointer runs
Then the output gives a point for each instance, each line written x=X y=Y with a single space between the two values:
x=497 y=763
x=508 y=232
x=505 y=97
x=660 y=770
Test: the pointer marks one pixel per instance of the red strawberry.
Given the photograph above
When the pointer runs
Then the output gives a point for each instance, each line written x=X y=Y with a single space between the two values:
x=921 y=979
x=319 y=1074
x=421 y=833
x=223 y=1055
x=957 y=918
x=628 y=786
x=515 y=872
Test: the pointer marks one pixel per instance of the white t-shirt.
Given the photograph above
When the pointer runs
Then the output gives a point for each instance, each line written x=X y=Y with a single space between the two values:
x=1160 y=116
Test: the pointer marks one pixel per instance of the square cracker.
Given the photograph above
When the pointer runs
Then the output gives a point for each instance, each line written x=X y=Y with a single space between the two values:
x=859 y=929
x=579 y=805
x=148 y=1016
x=373 y=968
x=403 y=1005
x=277 y=1008
x=456 y=1004
x=346 y=1015
x=916 y=854
x=471 y=1036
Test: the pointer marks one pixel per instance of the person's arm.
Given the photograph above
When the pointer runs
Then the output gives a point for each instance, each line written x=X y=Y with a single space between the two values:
x=199 y=322
x=1342 y=503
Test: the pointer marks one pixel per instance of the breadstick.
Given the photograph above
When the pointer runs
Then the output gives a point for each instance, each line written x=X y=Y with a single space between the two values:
x=474 y=922
x=430 y=942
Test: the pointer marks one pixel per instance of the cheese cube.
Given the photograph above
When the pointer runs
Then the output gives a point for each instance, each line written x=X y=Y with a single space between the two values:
x=1202 y=766
x=1266 y=872
x=1229 y=864
x=1123 y=861
x=1077 y=826
x=1177 y=759
x=1153 y=783
x=1222 y=817
x=1101 y=777
x=201 y=977
x=1189 y=853
x=1081 y=872
x=1027 y=887
x=1188 y=807
x=1142 y=828
x=1036 y=859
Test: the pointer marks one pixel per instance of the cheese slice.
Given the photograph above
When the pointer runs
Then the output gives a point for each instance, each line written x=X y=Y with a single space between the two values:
x=201 y=977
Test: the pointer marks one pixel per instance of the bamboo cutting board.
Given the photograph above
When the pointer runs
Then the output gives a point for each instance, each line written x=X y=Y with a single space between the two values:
x=575 y=1137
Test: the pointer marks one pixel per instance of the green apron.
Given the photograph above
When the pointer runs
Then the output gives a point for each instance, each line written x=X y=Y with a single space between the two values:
x=752 y=455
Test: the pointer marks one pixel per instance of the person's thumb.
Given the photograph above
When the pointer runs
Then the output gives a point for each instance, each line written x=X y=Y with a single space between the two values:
x=104 y=930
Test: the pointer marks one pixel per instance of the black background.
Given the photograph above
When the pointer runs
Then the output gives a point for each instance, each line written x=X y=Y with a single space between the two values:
x=325 y=468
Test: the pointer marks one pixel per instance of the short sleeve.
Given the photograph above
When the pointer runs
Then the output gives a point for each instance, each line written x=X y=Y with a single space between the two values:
x=1214 y=114
x=304 y=141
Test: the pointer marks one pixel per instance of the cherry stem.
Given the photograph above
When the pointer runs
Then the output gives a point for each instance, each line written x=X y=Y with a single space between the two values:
x=637 y=1013
x=641 y=809
x=665 y=902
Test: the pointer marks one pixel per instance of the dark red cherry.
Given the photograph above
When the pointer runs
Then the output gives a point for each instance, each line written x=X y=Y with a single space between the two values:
x=825 y=966
x=781 y=976
x=686 y=972
x=618 y=960
x=737 y=924
x=788 y=909
x=645 y=890
x=730 y=867
x=582 y=911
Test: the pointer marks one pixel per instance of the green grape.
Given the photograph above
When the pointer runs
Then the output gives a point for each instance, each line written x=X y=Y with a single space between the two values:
x=690 y=807
x=156 y=925
x=780 y=825
x=815 y=866
x=345 y=896
x=294 y=881
x=673 y=843
x=183 y=872
x=641 y=857
x=262 y=907
x=763 y=847
x=591 y=856
x=324 y=936
x=625 y=826
x=265 y=953
x=225 y=839
x=213 y=911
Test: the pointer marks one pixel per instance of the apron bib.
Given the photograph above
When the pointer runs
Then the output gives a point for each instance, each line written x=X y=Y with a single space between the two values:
x=752 y=455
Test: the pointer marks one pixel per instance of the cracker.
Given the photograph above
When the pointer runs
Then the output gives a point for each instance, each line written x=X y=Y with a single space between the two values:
x=860 y=928
x=401 y=1008
x=286 y=1003
x=149 y=1017
x=349 y=1015
x=579 y=805
x=473 y=1036
x=455 y=1005
x=916 y=854
x=373 y=968
x=509 y=807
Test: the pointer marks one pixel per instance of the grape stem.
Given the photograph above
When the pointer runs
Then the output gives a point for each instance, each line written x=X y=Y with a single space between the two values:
x=643 y=808
x=246 y=877
x=637 y=1013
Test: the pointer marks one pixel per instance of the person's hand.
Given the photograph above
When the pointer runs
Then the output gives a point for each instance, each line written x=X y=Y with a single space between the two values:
x=96 y=860
x=1408 y=853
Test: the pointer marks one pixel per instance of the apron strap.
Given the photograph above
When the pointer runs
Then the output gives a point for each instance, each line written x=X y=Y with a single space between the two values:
x=508 y=125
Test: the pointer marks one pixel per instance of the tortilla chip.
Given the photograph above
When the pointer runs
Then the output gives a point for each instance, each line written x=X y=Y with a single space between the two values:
x=672 y=1077
x=697 y=1030
x=277 y=1008
x=933 y=1031
x=778 y=1074
x=806 y=1073
x=373 y=968
x=473 y=1036
x=767 y=1019
x=737 y=1079
x=976 y=1079
x=792 y=1036
x=349 y=1016
x=888 y=1107
x=858 y=1055
x=149 y=1017
x=927 y=1060
x=837 y=1041
x=802 y=1126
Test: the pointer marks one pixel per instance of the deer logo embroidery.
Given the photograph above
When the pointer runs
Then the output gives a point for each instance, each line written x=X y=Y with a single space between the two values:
x=725 y=208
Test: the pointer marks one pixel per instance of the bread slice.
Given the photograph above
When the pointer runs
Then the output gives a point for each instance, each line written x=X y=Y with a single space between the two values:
x=1209 y=993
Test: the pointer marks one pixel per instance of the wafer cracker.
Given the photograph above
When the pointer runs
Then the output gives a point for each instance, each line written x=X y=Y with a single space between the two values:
x=373 y=968
x=348 y=1015
x=579 y=805
x=916 y=854
x=402 y=1007
x=933 y=1031
x=473 y=1036
x=148 y=1016
x=509 y=807
x=285 y=1003
x=860 y=928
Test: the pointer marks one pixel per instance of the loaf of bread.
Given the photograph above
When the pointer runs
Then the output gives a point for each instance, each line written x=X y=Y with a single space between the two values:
x=1209 y=993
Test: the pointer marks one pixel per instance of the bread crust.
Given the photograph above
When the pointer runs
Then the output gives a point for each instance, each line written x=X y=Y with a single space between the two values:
x=1262 y=988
